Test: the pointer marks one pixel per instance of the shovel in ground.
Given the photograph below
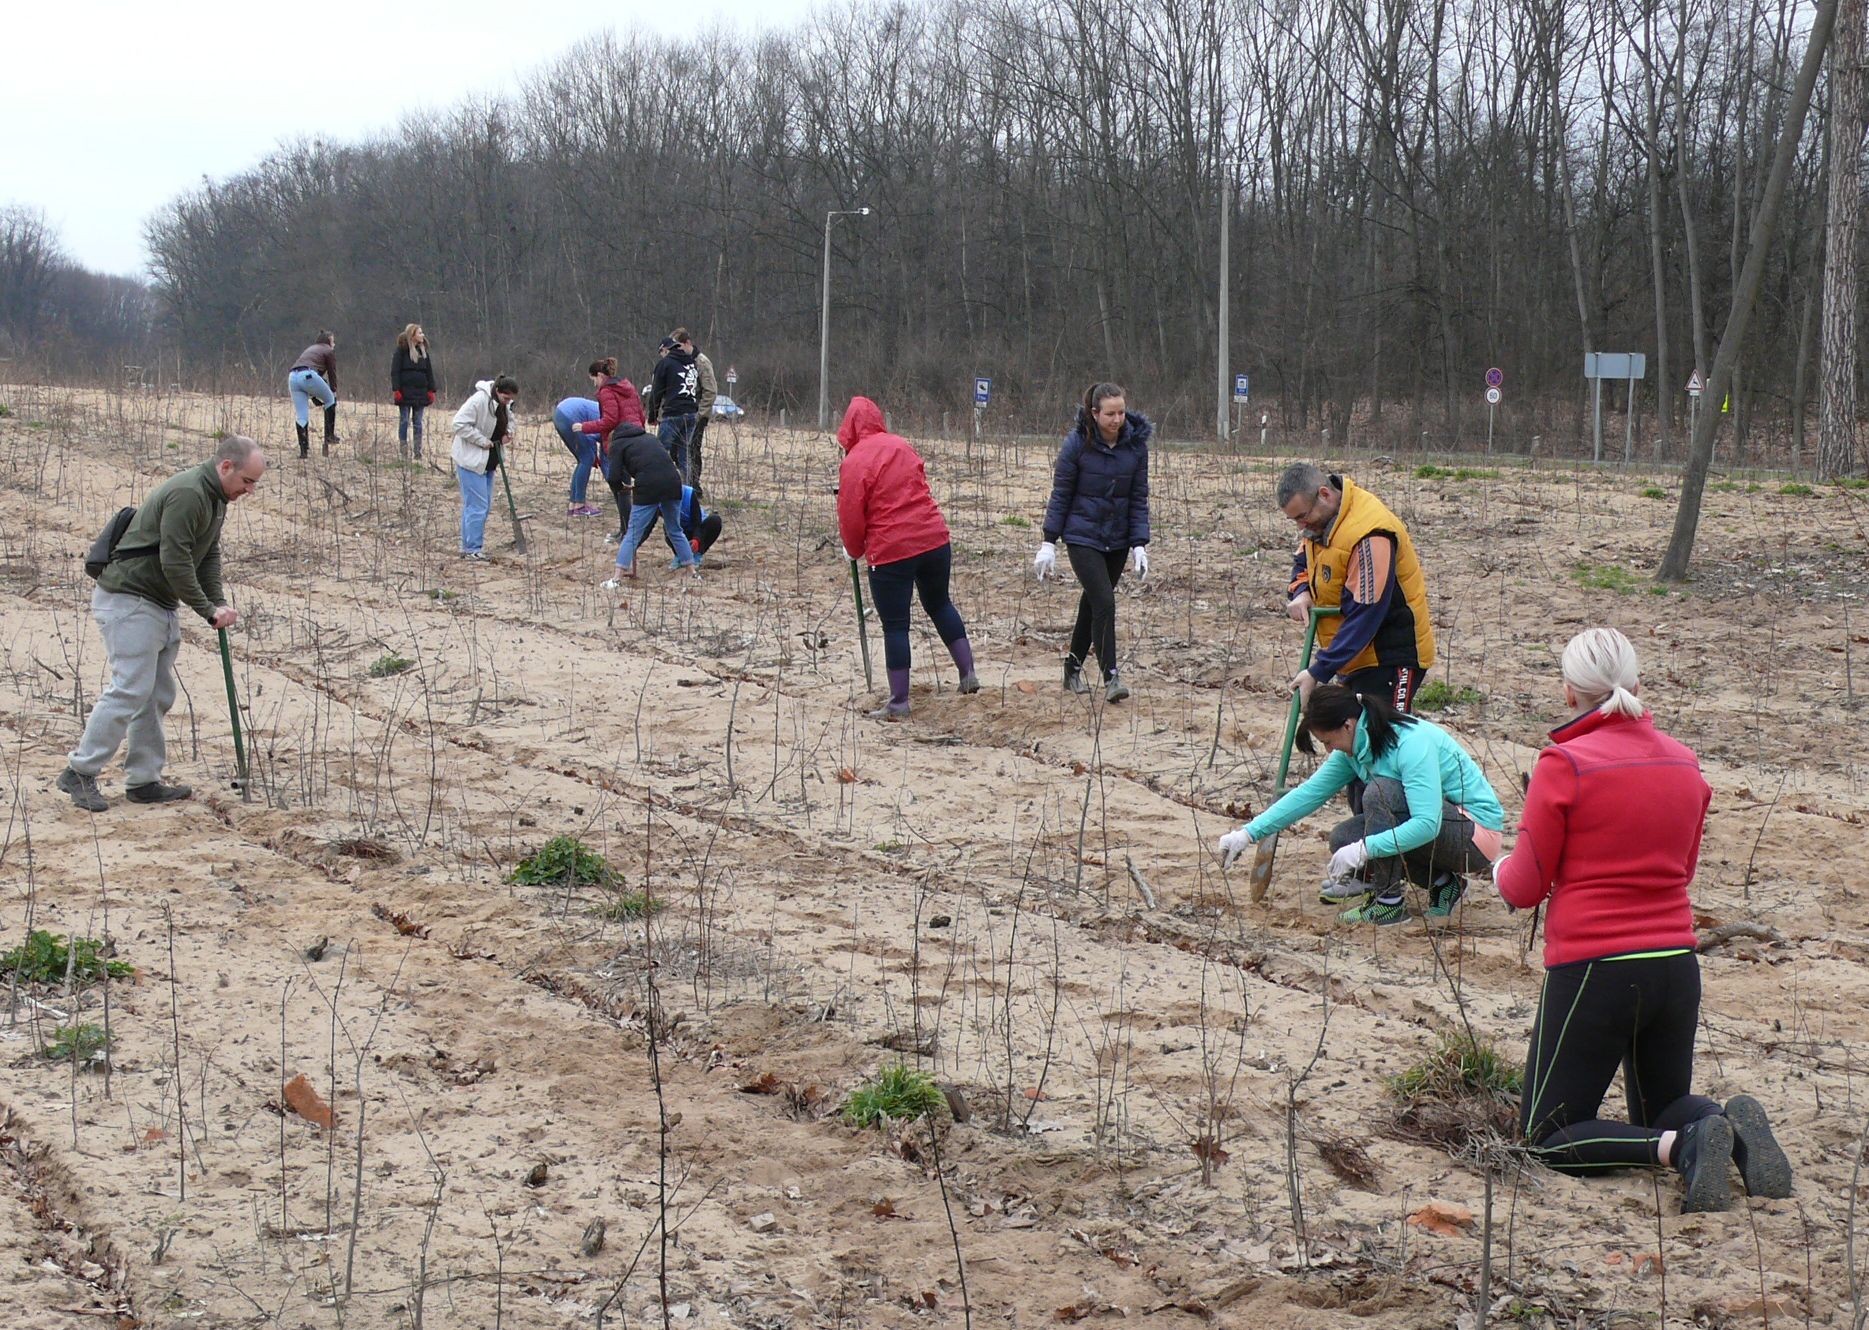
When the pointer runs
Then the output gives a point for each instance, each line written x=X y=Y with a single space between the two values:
x=1267 y=850
x=519 y=531
x=233 y=715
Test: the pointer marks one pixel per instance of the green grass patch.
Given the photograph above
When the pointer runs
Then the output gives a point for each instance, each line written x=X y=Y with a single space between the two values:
x=44 y=957
x=1459 y=1066
x=1438 y=695
x=565 y=860
x=84 y=1043
x=622 y=906
x=1853 y=483
x=443 y=595
x=1652 y=492
x=896 y=1092
x=1607 y=577
x=1796 y=489
x=218 y=435
x=1015 y=519
x=1724 y=487
x=1429 y=471
x=889 y=847
x=389 y=663
x=5 y=411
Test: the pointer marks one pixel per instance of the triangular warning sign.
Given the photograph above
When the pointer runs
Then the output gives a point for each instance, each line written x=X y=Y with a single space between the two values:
x=1694 y=384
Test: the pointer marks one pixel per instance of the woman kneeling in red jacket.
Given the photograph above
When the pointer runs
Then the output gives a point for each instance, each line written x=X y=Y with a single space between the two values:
x=887 y=514
x=1611 y=836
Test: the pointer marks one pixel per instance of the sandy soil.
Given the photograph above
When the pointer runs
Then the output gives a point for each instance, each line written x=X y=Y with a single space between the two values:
x=961 y=890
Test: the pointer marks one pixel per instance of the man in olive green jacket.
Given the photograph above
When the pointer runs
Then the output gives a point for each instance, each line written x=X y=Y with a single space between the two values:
x=168 y=557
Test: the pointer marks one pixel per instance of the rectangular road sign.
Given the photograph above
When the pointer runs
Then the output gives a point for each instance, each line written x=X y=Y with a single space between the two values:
x=1615 y=365
x=1242 y=388
x=982 y=391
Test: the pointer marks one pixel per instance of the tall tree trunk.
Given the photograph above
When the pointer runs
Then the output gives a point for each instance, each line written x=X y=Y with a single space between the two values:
x=1674 y=562
x=1836 y=429
x=1664 y=385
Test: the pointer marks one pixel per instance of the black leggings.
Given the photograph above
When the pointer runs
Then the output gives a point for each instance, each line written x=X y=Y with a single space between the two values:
x=1593 y=1016
x=1098 y=572
x=893 y=584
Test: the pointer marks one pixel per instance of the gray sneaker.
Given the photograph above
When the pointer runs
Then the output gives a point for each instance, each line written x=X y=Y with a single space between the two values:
x=1336 y=890
x=1115 y=690
x=83 y=790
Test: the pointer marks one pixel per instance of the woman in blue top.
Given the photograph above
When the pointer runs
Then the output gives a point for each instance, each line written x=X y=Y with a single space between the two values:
x=1100 y=509
x=1428 y=816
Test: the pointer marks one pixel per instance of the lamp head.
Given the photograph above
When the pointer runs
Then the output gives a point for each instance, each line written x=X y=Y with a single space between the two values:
x=863 y=212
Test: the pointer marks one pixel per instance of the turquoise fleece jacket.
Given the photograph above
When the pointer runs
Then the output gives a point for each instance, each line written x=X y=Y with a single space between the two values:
x=1433 y=769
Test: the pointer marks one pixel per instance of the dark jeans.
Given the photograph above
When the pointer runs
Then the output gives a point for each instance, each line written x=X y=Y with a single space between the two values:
x=891 y=586
x=1385 y=808
x=405 y=413
x=694 y=450
x=1593 y=1017
x=1098 y=573
x=676 y=433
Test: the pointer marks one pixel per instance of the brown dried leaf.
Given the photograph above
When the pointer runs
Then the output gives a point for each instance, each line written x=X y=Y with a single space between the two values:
x=886 y=1209
x=846 y=775
x=1442 y=1217
x=1026 y=686
x=764 y=1083
x=1075 y=1311
x=1209 y=1149
x=1035 y=1094
x=304 y=1101
x=402 y=922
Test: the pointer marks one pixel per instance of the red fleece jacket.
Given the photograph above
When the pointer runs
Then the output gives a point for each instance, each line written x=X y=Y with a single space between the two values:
x=1611 y=833
x=620 y=404
x=885 y=510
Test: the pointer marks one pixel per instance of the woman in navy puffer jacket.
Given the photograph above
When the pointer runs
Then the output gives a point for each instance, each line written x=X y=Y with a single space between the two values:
x=1100 y=509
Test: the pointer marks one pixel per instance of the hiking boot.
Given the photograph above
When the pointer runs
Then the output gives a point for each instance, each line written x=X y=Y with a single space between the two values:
x=1762 y=1164
x=1703 y=1154
x=891 y=711
x=1380 y=913
x=969 y=683
x=83 y=790
x=1444 y=894
x=1114 y=689
x=155 y=792
x=1074 y=676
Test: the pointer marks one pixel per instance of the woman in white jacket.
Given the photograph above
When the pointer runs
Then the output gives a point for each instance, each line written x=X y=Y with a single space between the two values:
x=480 y=427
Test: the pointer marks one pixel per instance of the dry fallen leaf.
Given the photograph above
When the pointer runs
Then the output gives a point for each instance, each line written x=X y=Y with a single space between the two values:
x=1035 y=1094
x=1076 y=1311
x=1442 y=1217
x=846 y=775
x=1026 y=686
x=764 y=1083
x=303 y=1100
x=403 y=923
x=886 y=1209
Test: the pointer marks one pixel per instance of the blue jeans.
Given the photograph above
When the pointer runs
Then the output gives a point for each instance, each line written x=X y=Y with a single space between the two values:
x=406 y=412
x=307 y=386
x=584 y=448
x=640 y=515
x=476 y=498
x=675 y=434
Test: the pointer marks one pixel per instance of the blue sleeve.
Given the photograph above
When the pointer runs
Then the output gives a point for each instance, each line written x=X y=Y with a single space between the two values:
x=1356 y=629
x=1139 y=503
x=1063 y=488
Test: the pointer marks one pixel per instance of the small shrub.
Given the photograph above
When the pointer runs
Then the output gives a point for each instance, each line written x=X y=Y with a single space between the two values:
x=1796 y=489
x=1845 y=483
x=622 y=906
x=1429 y=471
x=390 y=663
x=898 y=1091
x=441 y=594
x=564 y=860
x=1015 y=519
x=1724 y=487
x=1606 y=577
x=1653 y=492
x=218 y=435
x=5 y=411
x=44 y=957
x=85 y=1043
x=1438 y=695
x=1459 y=1066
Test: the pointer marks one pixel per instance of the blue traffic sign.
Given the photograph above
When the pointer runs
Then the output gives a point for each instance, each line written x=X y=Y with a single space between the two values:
x=1242 y=388
x=982 y=391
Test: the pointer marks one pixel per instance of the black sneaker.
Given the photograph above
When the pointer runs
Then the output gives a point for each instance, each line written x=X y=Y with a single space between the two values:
x=1762 y=1164
x=83 y=790
x=157 y=793
x=1703 y=1155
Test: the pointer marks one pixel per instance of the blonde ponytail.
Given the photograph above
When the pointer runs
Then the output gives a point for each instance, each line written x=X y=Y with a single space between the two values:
x=1600 y=666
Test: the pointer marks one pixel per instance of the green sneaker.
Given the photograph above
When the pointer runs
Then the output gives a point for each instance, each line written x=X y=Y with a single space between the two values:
x=1444 y=895
x=1376 y=912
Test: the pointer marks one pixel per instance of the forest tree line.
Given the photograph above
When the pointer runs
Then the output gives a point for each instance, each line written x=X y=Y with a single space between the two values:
x=1416 y=190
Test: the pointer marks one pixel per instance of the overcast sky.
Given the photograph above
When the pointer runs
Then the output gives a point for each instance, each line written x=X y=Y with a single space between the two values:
x=110 y=109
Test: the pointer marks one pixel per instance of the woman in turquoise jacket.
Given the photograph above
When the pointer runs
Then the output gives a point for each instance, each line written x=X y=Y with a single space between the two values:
x=1428 y=816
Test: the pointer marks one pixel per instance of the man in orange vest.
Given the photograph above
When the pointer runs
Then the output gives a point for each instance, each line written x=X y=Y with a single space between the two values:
x=1354 y=555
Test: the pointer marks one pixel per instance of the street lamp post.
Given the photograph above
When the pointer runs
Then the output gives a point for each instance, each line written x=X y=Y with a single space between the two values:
x=824 y=321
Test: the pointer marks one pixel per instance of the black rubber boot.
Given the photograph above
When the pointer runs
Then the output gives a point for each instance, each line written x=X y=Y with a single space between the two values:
x=1074 y=676
x=1703 y=1156
x=304 y=440
x=330 y=428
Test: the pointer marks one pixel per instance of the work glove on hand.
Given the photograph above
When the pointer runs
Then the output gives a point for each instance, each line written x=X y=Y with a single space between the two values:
x=398 y=397
x=848 y=555
x=431 y=399
x=1345 y=862
x=1046 y=561
x=1139 y=559
x=1233 y=845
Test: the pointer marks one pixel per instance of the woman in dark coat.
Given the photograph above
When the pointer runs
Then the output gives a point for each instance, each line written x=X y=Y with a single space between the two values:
x=411 y=384
x=1100 y=509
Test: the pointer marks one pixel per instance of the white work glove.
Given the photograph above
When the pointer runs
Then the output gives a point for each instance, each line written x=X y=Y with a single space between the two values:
x=1345 y=862
x=1233 y=845
x=1047 y=560
x=1139 y=559
x=848 y=555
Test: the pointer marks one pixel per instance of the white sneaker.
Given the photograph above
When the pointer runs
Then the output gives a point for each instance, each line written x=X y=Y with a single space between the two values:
x=611 y=584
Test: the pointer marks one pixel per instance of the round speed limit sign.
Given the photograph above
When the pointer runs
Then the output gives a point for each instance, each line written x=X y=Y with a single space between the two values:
x=1492 y=396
